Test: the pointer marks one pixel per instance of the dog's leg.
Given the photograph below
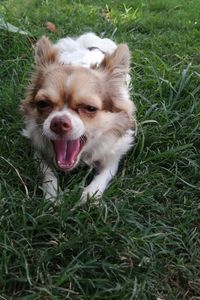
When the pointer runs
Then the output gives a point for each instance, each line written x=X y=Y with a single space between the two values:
x=49 y=180
x=99 y=183
x=50 y=184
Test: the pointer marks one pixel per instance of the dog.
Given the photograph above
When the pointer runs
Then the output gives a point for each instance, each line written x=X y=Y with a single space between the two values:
x=78 y=107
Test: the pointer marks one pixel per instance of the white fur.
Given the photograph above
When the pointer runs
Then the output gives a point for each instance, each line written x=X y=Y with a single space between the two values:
x=50 y=182
x=77 y=125
x=75 y=51
x=99 y=183
x=109 y=154
x=106 y=149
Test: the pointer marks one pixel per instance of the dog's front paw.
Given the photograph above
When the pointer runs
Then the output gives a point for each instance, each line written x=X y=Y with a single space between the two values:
x=50 y=192
x=89 y=193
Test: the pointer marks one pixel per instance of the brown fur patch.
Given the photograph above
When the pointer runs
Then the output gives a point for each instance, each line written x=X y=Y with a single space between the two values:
x=118 y=63
x=44 y=52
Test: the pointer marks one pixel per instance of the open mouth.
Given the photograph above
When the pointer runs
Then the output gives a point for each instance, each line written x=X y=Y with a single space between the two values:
x=66 y=152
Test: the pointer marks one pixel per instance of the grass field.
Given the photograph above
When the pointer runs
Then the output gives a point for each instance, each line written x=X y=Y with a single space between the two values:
x=144 y=241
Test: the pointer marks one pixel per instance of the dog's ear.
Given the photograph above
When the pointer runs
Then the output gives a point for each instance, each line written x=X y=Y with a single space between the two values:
x=118 y=63
x=45 y=53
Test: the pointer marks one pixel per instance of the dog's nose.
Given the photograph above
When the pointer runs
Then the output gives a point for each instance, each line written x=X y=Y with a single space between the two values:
x=61 y=125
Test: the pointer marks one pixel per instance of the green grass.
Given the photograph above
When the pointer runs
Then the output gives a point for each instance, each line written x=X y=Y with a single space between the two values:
x=143 y=242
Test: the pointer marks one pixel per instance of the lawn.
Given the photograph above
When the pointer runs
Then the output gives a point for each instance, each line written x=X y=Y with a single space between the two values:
x=143 y=242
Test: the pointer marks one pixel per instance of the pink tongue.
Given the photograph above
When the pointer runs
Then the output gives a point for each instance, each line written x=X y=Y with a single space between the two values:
x=66 y=152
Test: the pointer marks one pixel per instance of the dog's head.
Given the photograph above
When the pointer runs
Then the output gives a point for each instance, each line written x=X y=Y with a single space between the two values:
x=72 y=107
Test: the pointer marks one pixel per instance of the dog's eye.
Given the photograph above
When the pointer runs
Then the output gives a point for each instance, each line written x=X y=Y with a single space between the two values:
x=90 y=109
x=43 y=104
